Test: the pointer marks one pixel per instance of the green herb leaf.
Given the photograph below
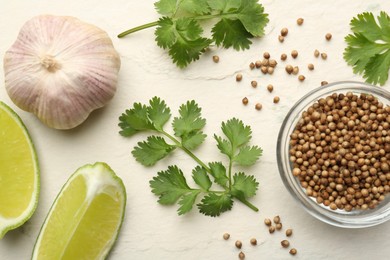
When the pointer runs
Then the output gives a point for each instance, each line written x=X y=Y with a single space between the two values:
x=158 y=112
x=201 y=178
x=368 y=49
x=230 y=33
x=213 y=205
x=152 y=150
x=195 y=6
x=237 y=133
x=193 y=140
x=187 y=201
x=170 y=185
x=248 y=155
x=244 y=186
x=166 y=7
x=218 y=171
x=223 y=145
x=135 y=120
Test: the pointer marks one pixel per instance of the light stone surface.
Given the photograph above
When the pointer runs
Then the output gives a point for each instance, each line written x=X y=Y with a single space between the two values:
x=152 y=231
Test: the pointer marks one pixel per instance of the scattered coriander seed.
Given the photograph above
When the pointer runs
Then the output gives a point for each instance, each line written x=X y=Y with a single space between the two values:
x=278 y=226
x=272 y=63
x=283 y=56
x=216 y=58
x=239 y=77
x=266 y=55
x=265 y=62
x=293 y=251
x=328 y=36
x=300 y=21
x=276 y=99
x=270 y=70
x=284 y=32
x=245 y=100
x=295 y=70
x=271 y=229
x=258 y=106
x=254 y=83
x=281 y=38
x=294 y=53
x=252 y=65
x=301 y=78
x=264 y=69
x=285 y=243
x=323 y=83
x=289 y=232
x=238 y=244
x=316 y=53
x=270 y=88
x=310 y=66
x=253 y=241
x=289 y=69
x=276 y=219
x=267 y=222
x=324 y=56
x=226 y=236
x=258 y=63
x=241 y=255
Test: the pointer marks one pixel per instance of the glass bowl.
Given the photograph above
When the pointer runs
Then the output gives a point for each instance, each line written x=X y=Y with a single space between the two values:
x=357 y=218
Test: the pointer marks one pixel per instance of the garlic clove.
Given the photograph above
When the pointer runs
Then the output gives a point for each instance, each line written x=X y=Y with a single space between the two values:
x=61 y=69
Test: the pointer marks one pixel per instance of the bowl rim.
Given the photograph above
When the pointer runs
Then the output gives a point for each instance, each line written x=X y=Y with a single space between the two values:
x=339 y=218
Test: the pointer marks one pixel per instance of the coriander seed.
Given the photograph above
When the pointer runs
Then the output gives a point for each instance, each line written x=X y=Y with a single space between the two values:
x=278 y=226
x=271 y=229
x=276 y=219
x=295 y=70
x=293 y=251
x=258 y=63
x=270 y=70
x=281 y=38
x=324 y=56
x=289 y=232
x=253 y=241
x=310 y=66
x=267 y=222
x=300 y=21
x=283 y=56
x=216 y=58
x=328 y=36
x=276 y=99
x=266 y=55
x=323 y=83
x=258 y=106
x=285 y=243
x=252 y=65
x=239 y=77
x=254 y=83
x=245 y=100
x=226 y=236
x=294 y=53
x=238 y=244
x=241 y=255
x=270 y=88
x=289 y=69
x=265 y=62
x=301 y=78
x=316 y=53
x=284 y=32
x=272 y=63
x=264 y=69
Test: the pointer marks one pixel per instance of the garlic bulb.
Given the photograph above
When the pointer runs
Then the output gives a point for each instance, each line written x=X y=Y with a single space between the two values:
x=61 y=69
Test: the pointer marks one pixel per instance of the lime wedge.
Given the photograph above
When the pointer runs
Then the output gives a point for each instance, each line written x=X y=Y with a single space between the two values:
x=85 y=218
x=19 y=172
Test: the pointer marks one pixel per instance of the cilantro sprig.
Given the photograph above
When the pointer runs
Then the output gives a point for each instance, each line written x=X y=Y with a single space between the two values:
x=180 y=31
x=368 y=49
x=171 y=185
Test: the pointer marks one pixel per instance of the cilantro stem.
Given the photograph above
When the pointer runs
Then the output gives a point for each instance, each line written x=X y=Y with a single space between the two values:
x=138 y=28
x=201 y=163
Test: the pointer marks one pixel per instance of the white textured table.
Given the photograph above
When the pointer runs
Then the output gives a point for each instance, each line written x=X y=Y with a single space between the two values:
x=152 y=231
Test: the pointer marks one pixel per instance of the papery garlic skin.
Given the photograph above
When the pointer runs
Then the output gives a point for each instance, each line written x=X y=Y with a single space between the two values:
x=61 y=69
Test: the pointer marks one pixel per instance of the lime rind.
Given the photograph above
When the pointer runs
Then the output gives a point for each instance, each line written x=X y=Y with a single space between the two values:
x=10 y=224
x=86 y=171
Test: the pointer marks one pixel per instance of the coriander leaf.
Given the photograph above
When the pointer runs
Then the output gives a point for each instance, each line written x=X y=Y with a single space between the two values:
x=187 y=201
x=218 y=171
x=158 y=112
x=152 y=150
x=169 y=185
x=201 y=178
x=224 y=146
x=190 y=120
x=248 y=155
x=135 y=120
x=193 y=140
x=230 y=33
x=166 y=7
x=195 y=6
x=165 y=33
x=244 y=186
x=368 y=48
x=224 y=6
x=213 y=205
x=252 y=16
x=236 y=132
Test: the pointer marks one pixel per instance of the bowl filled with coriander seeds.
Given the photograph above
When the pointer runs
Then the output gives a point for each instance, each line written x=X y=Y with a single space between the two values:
x=333 y=154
